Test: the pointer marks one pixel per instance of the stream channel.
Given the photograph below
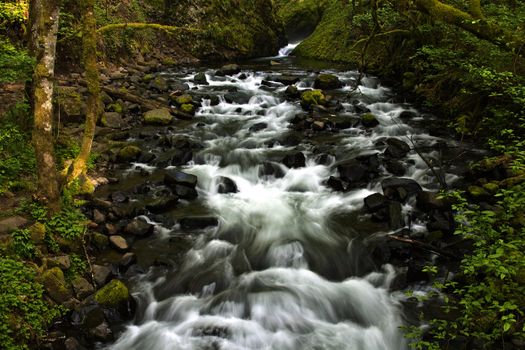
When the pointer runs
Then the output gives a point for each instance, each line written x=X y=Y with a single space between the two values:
x=271 y=246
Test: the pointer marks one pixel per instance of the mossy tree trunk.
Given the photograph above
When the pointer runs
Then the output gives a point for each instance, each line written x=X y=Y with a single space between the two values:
x=44 y=17
x=89 y=50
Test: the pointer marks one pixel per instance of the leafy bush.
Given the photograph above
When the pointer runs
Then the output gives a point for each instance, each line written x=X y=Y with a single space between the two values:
x=22 y=243
x=16 y=63
x=24 y=315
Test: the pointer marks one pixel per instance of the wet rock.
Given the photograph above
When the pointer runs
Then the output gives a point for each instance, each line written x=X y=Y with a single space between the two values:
x=441 y=221
x=112 y=120
x=291 y=139
x=139 y=227
x=161 y=116
x=127 y=260
x=55 y=285
x=360 y=107
x=335 y=184
x=285 y=79
x=237 y=97
x=12 y=223
x=229 y=69
x=101 y=274
x=176 y=157
x=119 y=243
x=318 y=125
x=200 y=78
x=98 y=216
x=395 y=216
x=395 y=167
x=407 y=115
x=398 y=188
x=258 y=127
x=72 y=344
x=162 y=203
x=312 y=98
x=102 y=332
x=327 y=82
x=292 y=92
x=352 y=171
x=185 y=192
x=119 y=197
x=226 y=185
x=270 y=84
x=129 y=153
x=99 y=240
x=82 y=288
x=269 y=169
x=179 y=88
x=63 y=262
x=396 y=148
x=295 y=160
x=369 y=120
x=113 y=294
x=183 y=99
x=175 y=177
x=198 y=222
x=375 y=201
x=159 y=84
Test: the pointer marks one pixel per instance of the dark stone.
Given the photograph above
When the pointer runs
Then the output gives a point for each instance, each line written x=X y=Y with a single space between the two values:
x=229 y=69
x=407 y=115
x=295 y=160
x=396 y=148
x=101 y=274
x=269 y=83
x=335 y=184
x=352 y=171
x=395 y=167
x=102 y=332
x=291 y=139
x=226 y=185
x=175 y=177
x=375 y=201
x=395 y=216
x=428 y=201
x=258 y=127
x=200 y=78
x=398 y=188
x=441 y=221
x=162 y=203
x=119 y=197
x=327 y=82
x=198 y=222
x=237 y=97
x=185 y=192
x=139 y=227
x=127 y=260
x=292 y=92
x=269 y=169
x=284 y=79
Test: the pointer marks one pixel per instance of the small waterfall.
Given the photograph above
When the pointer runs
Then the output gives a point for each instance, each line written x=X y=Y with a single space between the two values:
x=288 y=49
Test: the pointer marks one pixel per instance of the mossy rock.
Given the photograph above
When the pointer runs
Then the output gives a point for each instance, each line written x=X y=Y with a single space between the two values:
x=113 y=294
x=55 y=285
x=129 y=153
x=491 y=187
x=477 y=192
x=38 y=232
x=161 y=116
x=183 y=99
x=369 y=120
x=327 y=82
x=115 y=107
x=99 y=240
x=160 y=84
x=312 y=98
x=147 y=78
x=187 y=108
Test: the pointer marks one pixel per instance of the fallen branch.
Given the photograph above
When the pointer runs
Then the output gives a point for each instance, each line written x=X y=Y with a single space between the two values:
x=126 y=96
x=423 y=246
x=133 y=25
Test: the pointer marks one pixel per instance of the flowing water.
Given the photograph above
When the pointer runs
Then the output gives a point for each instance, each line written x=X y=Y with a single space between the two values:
x=290 y=264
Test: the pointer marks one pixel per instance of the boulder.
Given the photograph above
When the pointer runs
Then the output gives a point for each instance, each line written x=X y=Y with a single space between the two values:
x=139 y=227
x=226 y=185
x=396 y=148
x=395 y=167
x=369 y=120
x=12 y=223
x=162 y=203
x=99 y=240
x=112 y=120
x=160 y=84
x=271 y=169
x=129 y=153
x=175 y=177
x=183 y=99
x=185 y=192
x=335 y=184
x=200 y=78
x=395 y=216
x=229 y=69
x=295 y=160
x=375 y=202
x=63 y=262
x=82 y=288
x=285 y=79
x=292 y=92
x=102 y=274
x=198 y=222
x=160 y=116
x=312 y=98
x=398 y=188
x=258 y=127
x=352 y=171
x=55 y=285
x=114 y=294
x=119 y=243
x=327 y=82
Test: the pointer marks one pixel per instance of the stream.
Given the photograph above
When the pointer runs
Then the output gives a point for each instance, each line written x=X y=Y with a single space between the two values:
x=275 y=249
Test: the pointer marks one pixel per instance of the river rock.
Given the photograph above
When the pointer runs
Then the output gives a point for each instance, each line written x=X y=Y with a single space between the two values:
x=441 y=221
x=395 y=167
x=198 y=222
x=335 y=184
x=375 y=201
x=82 y=288
x=258 y=127
x=160 y=84
x=175 y=177
x=99 y=240
x=369 y=120
x=226 y=185
x=127 y=260
x=312 y=98
x=102 y=332
x=161 y=116
x=113 y=294
x=229 y=69
x=327 y=82
x=295 y=160
x=119 y=243
x=98 y=217
x=72 y=344
x=55 y=285
x=162 y=203
x=292 y=92
x=200 y=78
x=271 y=169
x=112 y=120
x=398 y=188
x=139 y=227
x=185 y=192
x=285 y=79
x=396 y=148
x=63 y=262
x=395 y=216
x=129 y=153
x=352 y=171
x=102 y=274
x=12 y=223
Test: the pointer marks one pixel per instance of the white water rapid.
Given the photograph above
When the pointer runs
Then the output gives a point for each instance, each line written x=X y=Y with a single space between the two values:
x=287 y=268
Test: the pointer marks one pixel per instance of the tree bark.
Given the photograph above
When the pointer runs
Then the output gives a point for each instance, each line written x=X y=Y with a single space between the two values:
x=475 y=9
x=89 y=49
x=44 y=16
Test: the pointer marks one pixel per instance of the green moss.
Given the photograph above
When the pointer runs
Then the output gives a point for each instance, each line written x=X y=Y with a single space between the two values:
x=187 y=108
x=311 y=98
x=55 y=285
x=183 y=99
x=161 y=116
x=491 y=187
x=369 y=120
x=300 y=17
x=115 y=107
x=129 y=153
x=113 y=294
x=147 y=78
x=477 y=192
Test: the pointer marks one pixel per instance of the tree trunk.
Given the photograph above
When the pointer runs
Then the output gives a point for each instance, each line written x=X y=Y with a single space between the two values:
x=44 y=16
x=89 y=49
x=475 y=9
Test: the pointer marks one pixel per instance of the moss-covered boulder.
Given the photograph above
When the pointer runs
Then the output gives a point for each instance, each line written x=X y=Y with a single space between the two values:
x=112 y=120
x=55 y=285
x=160 y=84
x=113 y=294
x=129 y=153
x=312 y=98
x=183 y=99
x=369 y=120
x=187 y=108
x=327 y=82
x=161 y=116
